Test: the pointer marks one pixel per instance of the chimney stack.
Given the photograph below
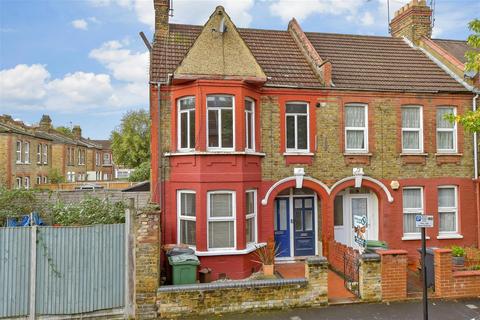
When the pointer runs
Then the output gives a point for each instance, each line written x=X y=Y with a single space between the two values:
x=162 y=13
x=45 y=122
x=413 y=21
x=77 y=132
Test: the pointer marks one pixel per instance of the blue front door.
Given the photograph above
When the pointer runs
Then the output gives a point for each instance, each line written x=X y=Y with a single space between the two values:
x=304 y=226
x=282 y=227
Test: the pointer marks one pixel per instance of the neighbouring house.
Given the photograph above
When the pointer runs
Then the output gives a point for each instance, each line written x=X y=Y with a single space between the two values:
x=28 y=154
x=289 y=136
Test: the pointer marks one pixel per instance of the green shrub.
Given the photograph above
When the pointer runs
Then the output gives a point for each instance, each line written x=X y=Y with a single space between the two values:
x=458 y=251
x=141 y=173
x=19 y=202
x=55 y=176
x=89 y=211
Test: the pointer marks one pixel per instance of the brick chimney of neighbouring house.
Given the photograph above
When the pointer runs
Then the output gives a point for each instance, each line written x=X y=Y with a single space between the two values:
x=77 y=132
x=162 y=12
x=45 y=122
x=413 y=21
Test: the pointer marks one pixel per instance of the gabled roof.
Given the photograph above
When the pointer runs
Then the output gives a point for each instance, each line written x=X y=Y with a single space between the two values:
x=456 y=48
x=103 y=144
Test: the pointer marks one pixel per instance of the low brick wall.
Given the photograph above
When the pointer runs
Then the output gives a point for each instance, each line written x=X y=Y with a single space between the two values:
x=394 y=272
x=336 y=254
x=370 y=277
x=454 y=284
x=241 y=296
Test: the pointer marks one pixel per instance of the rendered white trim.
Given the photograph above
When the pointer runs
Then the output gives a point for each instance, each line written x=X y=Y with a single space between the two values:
x=250 y=248
x=325 y=187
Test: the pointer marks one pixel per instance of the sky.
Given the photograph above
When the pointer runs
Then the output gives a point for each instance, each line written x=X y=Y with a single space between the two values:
x=83 y=62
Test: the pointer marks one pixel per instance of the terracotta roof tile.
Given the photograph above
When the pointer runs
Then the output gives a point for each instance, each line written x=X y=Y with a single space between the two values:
x=358 y=62
x=457 y=48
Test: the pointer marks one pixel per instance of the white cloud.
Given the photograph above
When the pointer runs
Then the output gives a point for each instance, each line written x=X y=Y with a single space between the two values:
x=23 y=83
x=80 y=24
x=124 y=65
x=367 y=19
x=302 y=9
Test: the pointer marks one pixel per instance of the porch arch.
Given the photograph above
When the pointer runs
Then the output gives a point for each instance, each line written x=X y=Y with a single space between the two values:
x=377 y=185
x=309 y=182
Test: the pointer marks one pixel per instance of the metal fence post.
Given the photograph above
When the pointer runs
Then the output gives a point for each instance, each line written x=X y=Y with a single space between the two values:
x=33 y=270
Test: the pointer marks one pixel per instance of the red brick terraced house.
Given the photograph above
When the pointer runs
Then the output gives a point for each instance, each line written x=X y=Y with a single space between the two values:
x=285 y=135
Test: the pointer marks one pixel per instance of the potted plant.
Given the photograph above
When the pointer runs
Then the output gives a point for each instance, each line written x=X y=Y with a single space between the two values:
x=458 y=256
x=266 y=256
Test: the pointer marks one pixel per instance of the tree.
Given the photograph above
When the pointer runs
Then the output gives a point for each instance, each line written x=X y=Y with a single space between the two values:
x=470 y=120
x=131 y=139
x=65 y=130
x=141 y=173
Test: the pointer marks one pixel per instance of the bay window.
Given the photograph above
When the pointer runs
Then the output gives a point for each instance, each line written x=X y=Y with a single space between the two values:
x=446 y=131
x=412 y=129
x=220 y=122
x=186 y=217
x=249 y=125
x=186 y=123
x=356 y=128
x=447 y=210
x=221 y=220
x=19 y=151
x=412 y=206
x=251 y=216
x=297 y=128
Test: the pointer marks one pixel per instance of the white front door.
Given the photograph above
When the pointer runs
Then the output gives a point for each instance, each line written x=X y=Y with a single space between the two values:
x=346 y=207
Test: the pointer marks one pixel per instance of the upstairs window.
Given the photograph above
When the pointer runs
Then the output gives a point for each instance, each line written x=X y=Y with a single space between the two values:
x=186 y=217
x=412 y=206
x=19 y=151
x=81 y=157
x=107 y=159
x=446 y=131
x=356 y=129
x=45 y=154
x=220 y=122
x=26 y=151
x=97 y=158
x=186 y=124
x=447 y=210
x=221 y=220
x=249 y=125
x=39 y=153
x=412 y=129
x=296 y=118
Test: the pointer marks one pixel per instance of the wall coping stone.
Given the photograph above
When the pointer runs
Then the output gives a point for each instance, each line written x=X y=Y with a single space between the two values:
x=467 y=273
x=370 y=257
x=443 y=250
x=391 y=252
x=232 y=285
x=317 y=260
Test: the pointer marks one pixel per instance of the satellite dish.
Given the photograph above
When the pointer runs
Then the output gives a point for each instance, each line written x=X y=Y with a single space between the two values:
x=222 y=28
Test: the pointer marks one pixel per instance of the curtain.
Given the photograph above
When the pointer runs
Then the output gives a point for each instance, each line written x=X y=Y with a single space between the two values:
x=355 y=139
x=187 y=232
x=442 y=123
x=188 y=204
x=411 y=117
x=250 y=230
x=221 y=205
x=445 y=139
x=411 y=139
x=447 y=221
x=446 y=198
x=412 y=199
x=290 y=132
x=250 y=203
x=355 y=116
x=409 y=223
x=221 y=234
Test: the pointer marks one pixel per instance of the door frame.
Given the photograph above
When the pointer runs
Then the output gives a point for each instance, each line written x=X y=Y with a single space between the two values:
x=290 y=198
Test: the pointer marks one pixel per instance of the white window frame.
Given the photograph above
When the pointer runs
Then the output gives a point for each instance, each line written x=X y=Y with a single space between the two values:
x=45 y=179
x=97 y=158
x=419 y=130
x=449 y=209
x=252 y=112
x=181 y=217
x=295 y=115
x=364 y=129
x=39 y=153
x=219 y=127
x=18 y=182
x=412 y=235
x=45 y=153
x=233 y=219
x=26 y=152
x=179 y=125
x=19 y=152
x=253 y=216
x=39 y=180
x=108 y=161
x=27 y=182
x=454 y=130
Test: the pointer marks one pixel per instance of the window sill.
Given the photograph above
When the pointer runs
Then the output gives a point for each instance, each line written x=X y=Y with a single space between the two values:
x=290 y=153
x=250 y=248
x=449 y=236
x=409 y=154
x=351 y=153
x=213 y=153
x=413 y=237
x=448 y=154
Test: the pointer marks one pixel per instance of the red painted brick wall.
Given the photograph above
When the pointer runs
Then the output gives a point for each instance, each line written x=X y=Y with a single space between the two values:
x=394 y=274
